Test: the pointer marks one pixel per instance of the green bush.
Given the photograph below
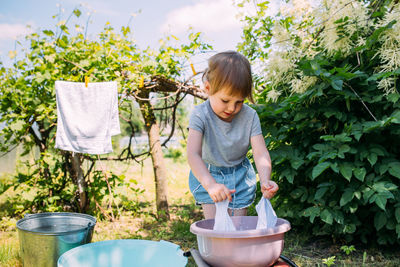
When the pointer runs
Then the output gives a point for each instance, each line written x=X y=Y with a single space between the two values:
x=331 y=114
x=121 y=198
x=174 y=153
x=335 y=166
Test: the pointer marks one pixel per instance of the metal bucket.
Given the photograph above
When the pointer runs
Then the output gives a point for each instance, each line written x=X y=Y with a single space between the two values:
x=43 y=237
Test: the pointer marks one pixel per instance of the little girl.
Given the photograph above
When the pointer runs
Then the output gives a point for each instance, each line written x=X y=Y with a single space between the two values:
x=221 y=130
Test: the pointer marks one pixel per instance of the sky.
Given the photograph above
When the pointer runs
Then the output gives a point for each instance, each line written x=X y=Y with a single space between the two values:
x=150 y=20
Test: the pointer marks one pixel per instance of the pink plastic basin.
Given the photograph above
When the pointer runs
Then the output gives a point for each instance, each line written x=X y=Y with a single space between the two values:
x=248 y=246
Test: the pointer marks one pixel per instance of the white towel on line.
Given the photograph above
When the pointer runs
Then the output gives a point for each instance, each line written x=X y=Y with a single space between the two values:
x=87 y=117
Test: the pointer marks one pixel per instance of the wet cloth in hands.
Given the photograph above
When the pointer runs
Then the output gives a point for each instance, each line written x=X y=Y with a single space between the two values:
x=87 y=117
x=223 y=221
x=266 y=214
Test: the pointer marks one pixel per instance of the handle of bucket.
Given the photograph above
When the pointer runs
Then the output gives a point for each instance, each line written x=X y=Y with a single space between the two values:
x=88 y=230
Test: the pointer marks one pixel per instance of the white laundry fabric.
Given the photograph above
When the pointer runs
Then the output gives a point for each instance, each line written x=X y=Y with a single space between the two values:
x=87 y=117
x=266 y=214
x=223 y=221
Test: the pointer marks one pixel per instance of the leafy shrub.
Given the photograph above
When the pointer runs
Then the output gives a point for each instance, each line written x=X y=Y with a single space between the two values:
x=335 y=166
x=103 y=203
x=56 y=192
x=174 y=153
x=5 y=182
x=330 y=109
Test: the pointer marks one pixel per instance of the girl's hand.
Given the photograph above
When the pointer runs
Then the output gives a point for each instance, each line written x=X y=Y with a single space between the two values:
x=219 y=192
x=269 y=189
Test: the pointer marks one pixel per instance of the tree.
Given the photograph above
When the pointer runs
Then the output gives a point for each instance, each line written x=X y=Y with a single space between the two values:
x=160 y=84
x=28 y=107
x=329 y=106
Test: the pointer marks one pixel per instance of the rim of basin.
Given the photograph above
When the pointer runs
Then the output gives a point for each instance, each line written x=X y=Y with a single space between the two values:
x=281 y=227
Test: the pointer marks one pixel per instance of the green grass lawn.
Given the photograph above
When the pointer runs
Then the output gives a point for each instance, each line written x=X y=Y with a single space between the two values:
x=302 y=248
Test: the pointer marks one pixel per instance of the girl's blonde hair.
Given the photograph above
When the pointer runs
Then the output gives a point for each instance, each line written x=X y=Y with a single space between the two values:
x=230 y=70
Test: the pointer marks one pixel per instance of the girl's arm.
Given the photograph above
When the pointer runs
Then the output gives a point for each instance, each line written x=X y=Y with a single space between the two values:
x=263 y=165
x=217 y=192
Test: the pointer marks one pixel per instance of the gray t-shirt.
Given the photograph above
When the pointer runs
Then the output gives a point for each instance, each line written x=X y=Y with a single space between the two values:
x=224 y=143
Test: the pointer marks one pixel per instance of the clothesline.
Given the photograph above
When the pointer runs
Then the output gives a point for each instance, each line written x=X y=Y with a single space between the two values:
x=179 y=85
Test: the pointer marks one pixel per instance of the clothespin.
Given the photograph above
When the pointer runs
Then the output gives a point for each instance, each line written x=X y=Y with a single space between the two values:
x=141 y=82
x=191 y=65
x=86 y=81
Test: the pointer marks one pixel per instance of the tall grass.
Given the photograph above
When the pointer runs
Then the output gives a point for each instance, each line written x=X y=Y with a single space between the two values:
x=9 y=249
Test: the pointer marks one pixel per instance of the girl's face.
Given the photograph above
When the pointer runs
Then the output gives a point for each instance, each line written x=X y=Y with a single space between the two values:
x=224 y=105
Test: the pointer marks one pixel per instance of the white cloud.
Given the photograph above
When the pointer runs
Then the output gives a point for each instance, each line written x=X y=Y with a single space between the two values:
x=13 y=31
x=207 y=16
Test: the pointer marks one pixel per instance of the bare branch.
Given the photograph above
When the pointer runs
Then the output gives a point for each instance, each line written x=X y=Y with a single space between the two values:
x=159 y=84
x=369 y=111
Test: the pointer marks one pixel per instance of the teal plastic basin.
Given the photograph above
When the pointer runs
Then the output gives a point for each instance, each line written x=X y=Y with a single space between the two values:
x=124 y=253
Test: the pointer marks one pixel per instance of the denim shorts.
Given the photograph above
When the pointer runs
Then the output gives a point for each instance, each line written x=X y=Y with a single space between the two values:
x=240 y=177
